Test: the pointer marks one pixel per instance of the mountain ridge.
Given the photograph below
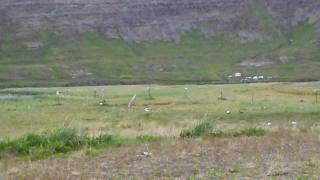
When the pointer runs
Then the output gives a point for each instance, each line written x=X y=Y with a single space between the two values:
x=143 y=20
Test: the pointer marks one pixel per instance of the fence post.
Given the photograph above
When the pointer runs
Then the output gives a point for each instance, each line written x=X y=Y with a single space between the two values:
x=58 y=97
x=149 y=93
x=252 y=97
x=131 y=101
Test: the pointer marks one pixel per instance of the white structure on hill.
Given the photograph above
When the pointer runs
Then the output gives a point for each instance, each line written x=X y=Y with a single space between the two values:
x=237 y=74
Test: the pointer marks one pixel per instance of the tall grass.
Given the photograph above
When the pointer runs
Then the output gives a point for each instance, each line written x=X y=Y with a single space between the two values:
x=44 y=145
x=246 y=132
x=198 y=130
x=62 y=141
x=205 y=129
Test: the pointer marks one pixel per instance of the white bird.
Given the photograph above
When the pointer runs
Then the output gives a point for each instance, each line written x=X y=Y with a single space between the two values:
x=228 y=112
x=294 y=123
x=57 y=93
x=146 y=109
x=101 y=104
x=186 y=88
x=147 y=154
x=269 y=123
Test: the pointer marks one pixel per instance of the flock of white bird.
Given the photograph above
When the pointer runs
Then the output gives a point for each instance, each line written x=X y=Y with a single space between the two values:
x=148 y=110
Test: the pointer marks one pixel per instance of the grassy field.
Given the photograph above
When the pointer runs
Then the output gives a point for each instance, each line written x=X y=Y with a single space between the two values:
x=277 y=115
x=172 y=108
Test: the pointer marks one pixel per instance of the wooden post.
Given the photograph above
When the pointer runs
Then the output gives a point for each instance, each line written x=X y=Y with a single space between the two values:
x=221 y=94
x=149 y=93
x=252 y=97
x=58 y=97
x=95 y=93
x=59 y=103
x=16 y=102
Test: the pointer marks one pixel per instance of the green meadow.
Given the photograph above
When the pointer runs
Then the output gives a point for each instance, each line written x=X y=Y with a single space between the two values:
x=171 y=108
x=86 y=125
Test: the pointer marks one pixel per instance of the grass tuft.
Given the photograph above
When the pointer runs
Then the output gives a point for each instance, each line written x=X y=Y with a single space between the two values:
x=246 y=132
x=93 y=152
x=205 y=129
x=44 y=145
x=198 y=130
x=147 y=138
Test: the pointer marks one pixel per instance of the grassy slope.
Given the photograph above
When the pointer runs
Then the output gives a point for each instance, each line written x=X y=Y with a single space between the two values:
x=194 y=58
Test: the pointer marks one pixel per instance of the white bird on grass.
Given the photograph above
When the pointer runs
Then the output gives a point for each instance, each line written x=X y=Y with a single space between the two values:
x=147 y=109
x=147 y=154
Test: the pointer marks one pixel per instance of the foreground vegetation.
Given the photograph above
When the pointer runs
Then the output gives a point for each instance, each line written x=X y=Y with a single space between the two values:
x=277 y=155
x=62 y=141
x=39 y=146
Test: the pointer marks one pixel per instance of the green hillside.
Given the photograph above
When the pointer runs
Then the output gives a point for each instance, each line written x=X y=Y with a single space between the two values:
x=90 y=58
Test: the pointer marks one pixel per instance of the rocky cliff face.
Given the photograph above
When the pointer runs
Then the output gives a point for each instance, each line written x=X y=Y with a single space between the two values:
x=142 y=20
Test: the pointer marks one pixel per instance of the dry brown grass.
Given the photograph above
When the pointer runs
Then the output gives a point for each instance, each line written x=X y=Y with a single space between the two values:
x=284 y=155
